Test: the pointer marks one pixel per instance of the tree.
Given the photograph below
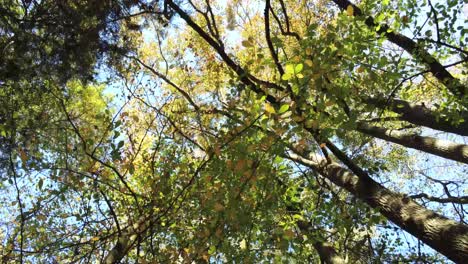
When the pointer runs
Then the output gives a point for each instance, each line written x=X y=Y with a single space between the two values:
x=246 y=131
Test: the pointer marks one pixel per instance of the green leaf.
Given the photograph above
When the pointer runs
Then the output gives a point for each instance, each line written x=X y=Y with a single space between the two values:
x=40 y=183
x=298 y=68
x=295 y=89
x=286 y=76
x=289 y=68
x=212 y=249
x=283 y=109
x=246 y=43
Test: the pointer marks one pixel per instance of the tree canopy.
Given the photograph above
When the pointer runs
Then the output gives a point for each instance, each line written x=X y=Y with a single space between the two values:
x=243 y=131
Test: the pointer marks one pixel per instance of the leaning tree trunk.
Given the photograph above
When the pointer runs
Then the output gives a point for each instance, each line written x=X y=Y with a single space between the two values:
x=441 y=148
x=448 y=237
x=126 y=241
x=421 y=115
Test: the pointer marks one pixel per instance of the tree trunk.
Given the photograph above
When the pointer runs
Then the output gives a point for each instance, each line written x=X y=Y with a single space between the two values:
x=441 y=148
x=421 y=116
x=326 y=251
x=448 y=237
x=126 y=241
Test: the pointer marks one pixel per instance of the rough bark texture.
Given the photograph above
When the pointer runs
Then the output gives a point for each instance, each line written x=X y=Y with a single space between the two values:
x=441 y=148
x=126 y=241
x=328 y=253
x=325 y=250
x=118 y=252
x=448 y=237
x=421 y=115
x=437 y=69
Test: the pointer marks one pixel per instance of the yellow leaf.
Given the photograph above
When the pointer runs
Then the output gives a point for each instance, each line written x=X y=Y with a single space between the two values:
x=308 y=51
x=350 y=10
x=243 y=244
x=269 y=108
x=309 y=62
x=95 y=239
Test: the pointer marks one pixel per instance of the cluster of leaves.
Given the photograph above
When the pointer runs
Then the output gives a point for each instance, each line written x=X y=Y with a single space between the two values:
x=191 y=158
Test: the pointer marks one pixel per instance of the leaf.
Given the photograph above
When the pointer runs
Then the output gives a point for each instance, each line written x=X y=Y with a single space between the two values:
x=289 y=68
x=300 y=76
x=283 y=108
x=298 y=68
x=217 y=150
x=23 y=156
x=295 y=89
x=212 y=250
x=286 y=76
x=311 y=124
x=246 y=43
x=243 y=244
x=350 y=10
x=218 y=207
x=309 y=62
x=269 y=108
x=40 y=183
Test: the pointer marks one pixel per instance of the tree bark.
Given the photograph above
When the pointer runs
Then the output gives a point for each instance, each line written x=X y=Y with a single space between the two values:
x=437 y=69
x=421 y=116
x=126 y=241
x=328 y=254
x=441 y=148
x=326 y=251
x=448 y=237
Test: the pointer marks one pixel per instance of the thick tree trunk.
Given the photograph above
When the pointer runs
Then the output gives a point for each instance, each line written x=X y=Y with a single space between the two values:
x=441 y=148
x=437 y=69
x=448 y=237
x=325 y=250
x=421 y=116
x=328 y=254
x=126 y=241
x=121 y=248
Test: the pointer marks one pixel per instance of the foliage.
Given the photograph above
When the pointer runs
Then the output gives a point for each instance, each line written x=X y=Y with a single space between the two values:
x=194 y=142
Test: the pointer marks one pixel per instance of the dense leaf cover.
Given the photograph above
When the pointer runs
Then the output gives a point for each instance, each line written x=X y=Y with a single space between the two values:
x=233 y=131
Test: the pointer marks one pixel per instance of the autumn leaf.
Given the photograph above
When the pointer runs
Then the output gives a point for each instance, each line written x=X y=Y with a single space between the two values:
x=243 y=244
x=218 y=207
x=269 y=108
x=350 y=10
